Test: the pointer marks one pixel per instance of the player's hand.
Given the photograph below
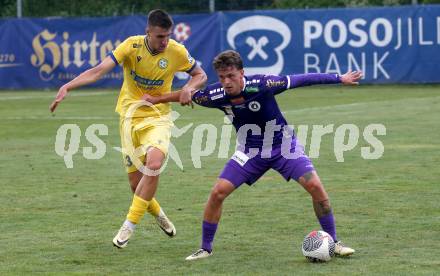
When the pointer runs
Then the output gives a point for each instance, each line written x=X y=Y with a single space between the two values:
x=351 y=78
x=62 y=93
x=150 y=99
x=185 y=96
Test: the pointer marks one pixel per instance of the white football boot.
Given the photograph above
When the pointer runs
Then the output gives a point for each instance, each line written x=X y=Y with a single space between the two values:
x=199 y=254
x=124 y=234
x=342 y=250
x=165 y=224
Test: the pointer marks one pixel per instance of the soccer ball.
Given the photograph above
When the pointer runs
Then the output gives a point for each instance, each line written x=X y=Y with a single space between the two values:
x=318 y=246
x=181 y=32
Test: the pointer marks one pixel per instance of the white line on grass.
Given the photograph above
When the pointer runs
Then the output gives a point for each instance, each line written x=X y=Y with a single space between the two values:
x=60 y=118
x=82 y=94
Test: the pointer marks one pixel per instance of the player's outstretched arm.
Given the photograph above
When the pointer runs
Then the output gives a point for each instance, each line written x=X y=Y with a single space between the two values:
x=351 y=78
x=85 y=78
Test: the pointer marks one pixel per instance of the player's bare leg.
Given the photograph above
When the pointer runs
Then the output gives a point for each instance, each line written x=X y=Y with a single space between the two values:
x=146 y=189
x=143 y=200
x=213 y=211
x=321 y=204
x=133 y=180
x=213 y=208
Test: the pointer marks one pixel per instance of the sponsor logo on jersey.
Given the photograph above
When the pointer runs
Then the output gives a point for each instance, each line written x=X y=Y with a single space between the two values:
x=272 y=83
x=135 y=45
x=251 y=89
x=201 y=99
x=145 y=83
x=138 y=58
x=218 y=96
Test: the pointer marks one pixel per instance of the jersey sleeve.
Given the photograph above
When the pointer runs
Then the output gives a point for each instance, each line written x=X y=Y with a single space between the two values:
x=275 y=84
x=122 y=51
x=203 y=98
x=301 y=80
x=279 y=84
x=185 y=62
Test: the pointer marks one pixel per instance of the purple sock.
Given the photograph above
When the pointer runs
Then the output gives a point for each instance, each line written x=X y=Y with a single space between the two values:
x=208 y=232
x=328 y=225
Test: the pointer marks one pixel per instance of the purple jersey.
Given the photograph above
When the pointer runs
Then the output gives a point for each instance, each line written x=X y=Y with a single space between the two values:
x=258 y=118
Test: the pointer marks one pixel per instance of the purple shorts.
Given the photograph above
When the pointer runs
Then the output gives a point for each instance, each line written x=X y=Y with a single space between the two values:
x=242 y=169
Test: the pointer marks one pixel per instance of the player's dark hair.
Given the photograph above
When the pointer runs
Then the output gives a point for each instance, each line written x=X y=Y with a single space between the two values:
x=160 y=18
x=226 y=59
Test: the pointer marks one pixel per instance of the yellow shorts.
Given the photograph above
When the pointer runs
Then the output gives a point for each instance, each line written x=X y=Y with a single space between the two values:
x=138 y=134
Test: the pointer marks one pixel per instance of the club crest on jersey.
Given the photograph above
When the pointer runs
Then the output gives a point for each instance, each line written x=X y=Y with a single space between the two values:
x=162 y=63
x=254 y=106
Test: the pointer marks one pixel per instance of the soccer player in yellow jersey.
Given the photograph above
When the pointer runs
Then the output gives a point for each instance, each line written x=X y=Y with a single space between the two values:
x=149 y=63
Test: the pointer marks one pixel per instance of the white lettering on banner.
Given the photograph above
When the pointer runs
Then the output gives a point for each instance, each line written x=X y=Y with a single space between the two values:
x=360 y=32
x=353 y=65
x=356 y=31
x=260 y=23
x=331 y=64
x=378 y=65
x=438 y=30
x=421 y=40
x=399 y=34
x=312 y=31
x=314 y=64
x=49 y=53
x=328 y=30
x=388 y=30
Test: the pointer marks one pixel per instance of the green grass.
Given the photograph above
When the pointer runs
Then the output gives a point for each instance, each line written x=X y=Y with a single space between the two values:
x=56 y=220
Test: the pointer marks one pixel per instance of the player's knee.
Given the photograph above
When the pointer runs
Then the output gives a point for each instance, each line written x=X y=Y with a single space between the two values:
x=154 y=164
x=217 y=195
x=154 y=159
x=314 y=187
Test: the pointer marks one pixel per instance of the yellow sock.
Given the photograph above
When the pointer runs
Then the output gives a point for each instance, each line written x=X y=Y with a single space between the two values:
x=137 y=209
x=153 y=207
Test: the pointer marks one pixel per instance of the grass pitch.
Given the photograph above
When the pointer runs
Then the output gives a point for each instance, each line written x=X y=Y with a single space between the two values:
x=56 y=220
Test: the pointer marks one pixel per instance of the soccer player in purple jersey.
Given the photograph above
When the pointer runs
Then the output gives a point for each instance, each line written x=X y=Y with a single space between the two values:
x=250 y=103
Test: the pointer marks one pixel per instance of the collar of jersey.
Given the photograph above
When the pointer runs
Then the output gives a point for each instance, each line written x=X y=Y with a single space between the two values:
x=148 y=47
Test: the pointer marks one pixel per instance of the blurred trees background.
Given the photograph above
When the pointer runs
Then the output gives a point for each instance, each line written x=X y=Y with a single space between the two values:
x=50 y=8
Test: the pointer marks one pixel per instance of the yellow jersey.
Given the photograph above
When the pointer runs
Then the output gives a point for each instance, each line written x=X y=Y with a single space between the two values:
x=147 y=72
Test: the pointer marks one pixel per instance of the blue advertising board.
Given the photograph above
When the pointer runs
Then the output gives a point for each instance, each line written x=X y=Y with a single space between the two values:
x=390 y=45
